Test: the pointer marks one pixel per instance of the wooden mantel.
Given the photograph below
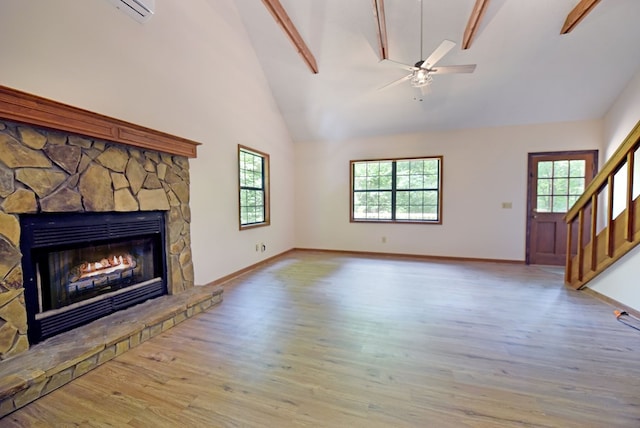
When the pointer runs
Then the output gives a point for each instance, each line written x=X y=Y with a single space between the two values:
x=33 y=110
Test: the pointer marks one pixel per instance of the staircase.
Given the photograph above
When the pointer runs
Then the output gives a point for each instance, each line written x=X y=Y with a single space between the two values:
x=604 y=224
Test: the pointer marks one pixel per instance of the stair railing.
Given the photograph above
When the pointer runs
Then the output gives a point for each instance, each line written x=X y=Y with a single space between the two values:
x=601 y=228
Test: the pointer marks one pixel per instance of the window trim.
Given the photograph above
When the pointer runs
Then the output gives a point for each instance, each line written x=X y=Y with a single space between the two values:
x=265 y=188
x=440 y=158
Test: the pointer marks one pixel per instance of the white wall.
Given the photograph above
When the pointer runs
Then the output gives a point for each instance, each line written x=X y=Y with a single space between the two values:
x=189 y=71
x=482 y=169
x=620 y=282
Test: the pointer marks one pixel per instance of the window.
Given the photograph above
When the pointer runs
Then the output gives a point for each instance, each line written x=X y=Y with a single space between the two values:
x=559 y=185
x=254 y=187
x=397 y=190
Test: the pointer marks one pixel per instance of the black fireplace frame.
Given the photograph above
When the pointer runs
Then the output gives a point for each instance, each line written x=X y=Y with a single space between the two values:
x=40 y=232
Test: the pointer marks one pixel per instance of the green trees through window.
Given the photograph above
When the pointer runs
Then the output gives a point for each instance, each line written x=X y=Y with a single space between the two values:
x=254 y=187
x=560 y=183
x=402 y=190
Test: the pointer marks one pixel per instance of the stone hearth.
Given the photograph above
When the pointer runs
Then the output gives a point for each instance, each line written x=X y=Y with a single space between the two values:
x=43 y=170
x=63 y=358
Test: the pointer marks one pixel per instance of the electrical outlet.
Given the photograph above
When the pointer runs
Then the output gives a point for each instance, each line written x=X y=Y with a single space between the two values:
x=263 y=247
x=257 y=247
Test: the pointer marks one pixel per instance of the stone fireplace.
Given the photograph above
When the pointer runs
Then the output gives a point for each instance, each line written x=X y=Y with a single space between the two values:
x=94 y=221
x=47 y=171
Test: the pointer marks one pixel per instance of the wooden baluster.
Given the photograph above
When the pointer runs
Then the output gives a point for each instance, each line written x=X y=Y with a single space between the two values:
x=567 y=268
x=594 y=224
x=580 y=243
x=630 y=213
x=610 y=234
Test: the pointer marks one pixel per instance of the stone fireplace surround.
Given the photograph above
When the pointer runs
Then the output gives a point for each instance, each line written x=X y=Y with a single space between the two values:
x=45 y=170
x=49 y=171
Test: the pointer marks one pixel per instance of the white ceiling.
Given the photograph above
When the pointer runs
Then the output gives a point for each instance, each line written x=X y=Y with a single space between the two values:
x=526 y=71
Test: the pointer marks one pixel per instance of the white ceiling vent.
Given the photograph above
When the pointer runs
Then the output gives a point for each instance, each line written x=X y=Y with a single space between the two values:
x=140 y=10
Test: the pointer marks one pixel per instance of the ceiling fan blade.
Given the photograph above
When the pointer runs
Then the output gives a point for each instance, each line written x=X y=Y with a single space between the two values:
x=399 y=65
x=448 y=69
x=437 y=55
x=396 y=82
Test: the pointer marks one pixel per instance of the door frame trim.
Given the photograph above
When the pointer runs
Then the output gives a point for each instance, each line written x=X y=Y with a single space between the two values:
x=530 y=157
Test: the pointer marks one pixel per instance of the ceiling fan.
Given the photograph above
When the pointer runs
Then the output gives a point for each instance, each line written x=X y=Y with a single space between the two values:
x=423 y=70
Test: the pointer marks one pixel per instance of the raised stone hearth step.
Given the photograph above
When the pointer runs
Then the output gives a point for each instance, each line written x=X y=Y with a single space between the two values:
x=60 y=359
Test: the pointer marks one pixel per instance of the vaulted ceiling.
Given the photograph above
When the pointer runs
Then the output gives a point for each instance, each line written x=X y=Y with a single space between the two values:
x=527 y=71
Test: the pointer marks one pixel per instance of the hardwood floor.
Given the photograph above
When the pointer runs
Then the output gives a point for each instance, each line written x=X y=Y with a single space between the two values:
x=332 y=340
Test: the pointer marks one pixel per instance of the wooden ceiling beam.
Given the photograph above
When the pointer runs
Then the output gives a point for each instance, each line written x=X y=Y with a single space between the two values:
x=578 y=13
x=474 y=22
x=282 y=18
x=381 y=28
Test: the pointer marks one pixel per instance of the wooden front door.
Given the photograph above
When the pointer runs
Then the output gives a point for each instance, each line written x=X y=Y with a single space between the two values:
x=556 y=181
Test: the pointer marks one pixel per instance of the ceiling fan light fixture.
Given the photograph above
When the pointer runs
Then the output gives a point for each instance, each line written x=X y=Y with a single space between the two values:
x=421 y=78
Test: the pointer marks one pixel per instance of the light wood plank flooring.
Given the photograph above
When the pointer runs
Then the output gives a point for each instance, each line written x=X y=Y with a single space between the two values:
x=333 y=340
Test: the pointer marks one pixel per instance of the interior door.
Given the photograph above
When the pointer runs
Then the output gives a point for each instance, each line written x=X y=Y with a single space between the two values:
x=556 y=181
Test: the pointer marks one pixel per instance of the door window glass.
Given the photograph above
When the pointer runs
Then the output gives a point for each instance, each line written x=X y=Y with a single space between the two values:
x=559 y=184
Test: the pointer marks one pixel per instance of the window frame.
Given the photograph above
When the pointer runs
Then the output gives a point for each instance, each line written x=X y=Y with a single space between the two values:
x=394 y=191
x=555 y=191
x=265 y=187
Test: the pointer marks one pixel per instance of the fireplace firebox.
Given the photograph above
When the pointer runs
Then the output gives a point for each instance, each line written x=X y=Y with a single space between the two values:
x=82 y=266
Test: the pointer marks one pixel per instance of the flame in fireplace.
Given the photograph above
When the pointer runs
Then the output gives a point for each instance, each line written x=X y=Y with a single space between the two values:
x=107 y=265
